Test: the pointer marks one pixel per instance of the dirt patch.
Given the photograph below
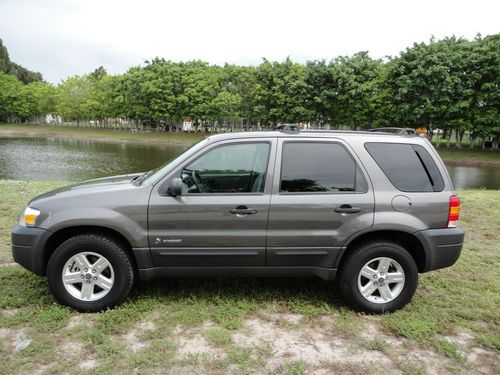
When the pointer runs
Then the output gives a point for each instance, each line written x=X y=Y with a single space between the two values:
x=181 y=370
x=484 y=361
x=72 y=348
x=373 y=331
x=435 y=363
x=80 y=320
x=192 y=342
x=88 y=364
x=132 y=338
x=197 y=345
x=306 y=345
x=8 y=312
x=463 y=339
x=9 y=264
x=14 y=337
x=287 y=318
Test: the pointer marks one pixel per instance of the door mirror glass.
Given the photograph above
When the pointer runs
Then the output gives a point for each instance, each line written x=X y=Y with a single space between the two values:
x=175 y=187
x=172 y=188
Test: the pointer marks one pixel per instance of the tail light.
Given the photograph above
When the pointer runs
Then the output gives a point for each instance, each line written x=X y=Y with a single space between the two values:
x=454 y=212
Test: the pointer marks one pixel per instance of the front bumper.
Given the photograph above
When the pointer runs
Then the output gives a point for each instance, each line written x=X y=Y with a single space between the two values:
x=28 y=248
x=442 y=247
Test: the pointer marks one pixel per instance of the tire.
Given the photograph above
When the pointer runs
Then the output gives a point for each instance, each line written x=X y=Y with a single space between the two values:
x=389 y=288
x=97 y=269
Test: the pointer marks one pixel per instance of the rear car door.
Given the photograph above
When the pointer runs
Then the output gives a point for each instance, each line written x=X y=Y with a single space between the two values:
x=221 y=217
x=321 y=197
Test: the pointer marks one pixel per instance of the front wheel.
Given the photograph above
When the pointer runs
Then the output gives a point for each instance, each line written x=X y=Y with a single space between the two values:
x=378 y=277
x=90 y=272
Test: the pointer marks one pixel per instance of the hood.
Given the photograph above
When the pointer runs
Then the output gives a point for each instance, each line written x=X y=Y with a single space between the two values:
x=90 y=186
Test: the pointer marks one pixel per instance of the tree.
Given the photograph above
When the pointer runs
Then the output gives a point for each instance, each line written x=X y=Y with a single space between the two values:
x=9 y=90
x=282 y=92
x=23 y=74
x=73 y=97
x=429 y=85
x=353 y=87
x=484 y=69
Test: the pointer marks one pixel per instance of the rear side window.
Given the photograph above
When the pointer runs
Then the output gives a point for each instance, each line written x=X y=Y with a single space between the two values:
x=409 y=167
x=319 y=167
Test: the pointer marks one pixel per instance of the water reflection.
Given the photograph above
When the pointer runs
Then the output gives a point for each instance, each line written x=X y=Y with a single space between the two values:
x=466 y=177
x=77 y=160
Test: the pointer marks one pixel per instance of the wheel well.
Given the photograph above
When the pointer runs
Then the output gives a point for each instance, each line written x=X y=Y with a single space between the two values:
x=407 y=240
x=62 y=235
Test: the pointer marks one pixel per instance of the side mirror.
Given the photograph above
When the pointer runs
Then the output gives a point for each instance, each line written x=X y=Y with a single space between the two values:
x=172 y=187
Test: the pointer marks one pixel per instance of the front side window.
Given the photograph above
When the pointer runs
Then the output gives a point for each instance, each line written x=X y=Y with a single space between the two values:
x=233 y=168
x=319 y=167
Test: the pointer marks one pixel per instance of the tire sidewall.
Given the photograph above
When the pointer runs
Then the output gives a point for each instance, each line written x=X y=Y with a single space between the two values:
x=105 y=247
x=350 y=274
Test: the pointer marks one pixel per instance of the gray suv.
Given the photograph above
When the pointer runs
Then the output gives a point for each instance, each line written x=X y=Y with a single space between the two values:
x=369 y=209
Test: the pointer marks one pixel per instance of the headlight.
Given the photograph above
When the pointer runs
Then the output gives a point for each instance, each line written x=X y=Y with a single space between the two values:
x=28 y=217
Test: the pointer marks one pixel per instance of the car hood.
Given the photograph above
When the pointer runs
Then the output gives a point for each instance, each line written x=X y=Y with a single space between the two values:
x=89 y=187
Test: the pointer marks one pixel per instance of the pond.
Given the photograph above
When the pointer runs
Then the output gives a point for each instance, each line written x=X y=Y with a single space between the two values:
x=76 y=160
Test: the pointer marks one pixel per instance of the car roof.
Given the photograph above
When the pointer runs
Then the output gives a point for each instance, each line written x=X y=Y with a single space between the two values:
x=342 y=134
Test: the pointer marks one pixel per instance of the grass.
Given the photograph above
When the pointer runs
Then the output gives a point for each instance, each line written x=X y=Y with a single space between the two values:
x=113 y=135
x=468 y=154
x=162 y=317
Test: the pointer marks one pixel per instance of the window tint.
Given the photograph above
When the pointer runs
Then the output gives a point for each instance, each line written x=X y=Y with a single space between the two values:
x=409 y=167
x=319 y=167
x=235 y=168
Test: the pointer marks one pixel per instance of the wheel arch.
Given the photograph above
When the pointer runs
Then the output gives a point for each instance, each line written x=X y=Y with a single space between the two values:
x=407 y=240
x=63 y=234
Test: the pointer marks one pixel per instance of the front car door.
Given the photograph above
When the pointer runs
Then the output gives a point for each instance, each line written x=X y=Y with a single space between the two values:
x=321 y=196
x=221 y=217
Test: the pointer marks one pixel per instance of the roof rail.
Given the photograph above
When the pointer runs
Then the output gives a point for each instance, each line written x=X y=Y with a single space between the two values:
x=294 y=129
x=287 y=128
x=397 y=131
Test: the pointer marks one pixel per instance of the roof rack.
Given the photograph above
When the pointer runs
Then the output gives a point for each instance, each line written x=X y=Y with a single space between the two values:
x=397 y=131
x=295 y=129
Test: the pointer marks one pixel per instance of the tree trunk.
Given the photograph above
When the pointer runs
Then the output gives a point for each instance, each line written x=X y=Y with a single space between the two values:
x=448 y=138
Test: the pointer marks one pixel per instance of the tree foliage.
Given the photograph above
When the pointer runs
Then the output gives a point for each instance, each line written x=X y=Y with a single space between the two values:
x=9 y=67
x=448 y=84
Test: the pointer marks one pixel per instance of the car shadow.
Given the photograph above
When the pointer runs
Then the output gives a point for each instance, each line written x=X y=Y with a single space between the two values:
x=262 y=290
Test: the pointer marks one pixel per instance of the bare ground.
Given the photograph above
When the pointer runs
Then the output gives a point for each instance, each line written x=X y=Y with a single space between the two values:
x=274 y=342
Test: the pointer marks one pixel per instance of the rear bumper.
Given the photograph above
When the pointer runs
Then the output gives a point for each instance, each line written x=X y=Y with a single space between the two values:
x=442 y=247
x=27 y=247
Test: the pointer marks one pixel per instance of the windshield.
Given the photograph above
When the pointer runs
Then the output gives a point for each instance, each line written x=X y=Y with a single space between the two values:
x=155 y=174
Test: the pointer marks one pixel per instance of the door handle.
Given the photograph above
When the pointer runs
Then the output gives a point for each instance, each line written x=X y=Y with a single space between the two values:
x=347 y=209
x=243 y=210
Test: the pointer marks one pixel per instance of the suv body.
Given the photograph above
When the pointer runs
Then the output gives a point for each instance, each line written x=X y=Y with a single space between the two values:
x=256 y=204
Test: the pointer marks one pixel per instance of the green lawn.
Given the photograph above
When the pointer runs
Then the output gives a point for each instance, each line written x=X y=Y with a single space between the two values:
x=290 y=325
x=115 y=135
x=468 y=154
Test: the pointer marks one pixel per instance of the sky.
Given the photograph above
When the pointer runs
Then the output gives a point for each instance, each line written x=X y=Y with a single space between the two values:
x=60 y=38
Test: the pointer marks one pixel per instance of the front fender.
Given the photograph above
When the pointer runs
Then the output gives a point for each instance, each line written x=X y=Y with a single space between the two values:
x=135 y=231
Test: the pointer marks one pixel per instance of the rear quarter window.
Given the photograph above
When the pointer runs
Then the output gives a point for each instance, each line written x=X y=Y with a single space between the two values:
x=409 y=167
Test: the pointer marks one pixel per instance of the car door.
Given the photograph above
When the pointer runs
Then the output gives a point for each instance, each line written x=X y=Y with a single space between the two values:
x=220 y=219
x=320 y=198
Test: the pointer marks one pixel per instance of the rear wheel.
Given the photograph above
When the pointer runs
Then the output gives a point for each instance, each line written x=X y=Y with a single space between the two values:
x=90 y=272
x=378 y=277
